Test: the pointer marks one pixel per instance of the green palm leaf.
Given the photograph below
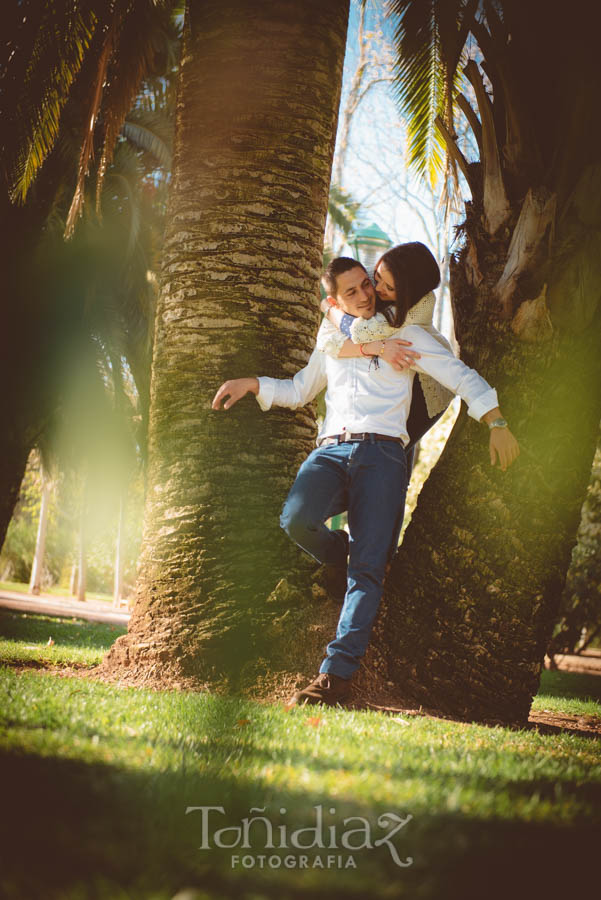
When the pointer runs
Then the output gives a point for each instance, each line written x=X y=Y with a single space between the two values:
x=429 y=36
x=144 y=137
x=36 y=82
x=342 y=209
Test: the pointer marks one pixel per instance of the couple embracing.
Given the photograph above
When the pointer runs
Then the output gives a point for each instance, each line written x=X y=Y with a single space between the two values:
x=372 y=344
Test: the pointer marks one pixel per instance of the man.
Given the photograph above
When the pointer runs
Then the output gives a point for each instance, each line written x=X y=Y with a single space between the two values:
x=359 y=464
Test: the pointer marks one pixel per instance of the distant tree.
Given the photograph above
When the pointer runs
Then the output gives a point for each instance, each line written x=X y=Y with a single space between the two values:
x=580 y=611
x=37 y=568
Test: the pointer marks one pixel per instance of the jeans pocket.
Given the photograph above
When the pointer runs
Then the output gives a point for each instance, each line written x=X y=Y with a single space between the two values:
x=393 y=450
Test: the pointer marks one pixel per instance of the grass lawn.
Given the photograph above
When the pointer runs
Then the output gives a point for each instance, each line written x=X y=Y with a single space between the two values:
x=96 y=781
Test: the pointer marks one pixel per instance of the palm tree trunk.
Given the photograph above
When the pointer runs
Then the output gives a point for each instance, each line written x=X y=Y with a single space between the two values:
x=257 y=108
x=118 y=580
x=473 y=593
x=35 y=581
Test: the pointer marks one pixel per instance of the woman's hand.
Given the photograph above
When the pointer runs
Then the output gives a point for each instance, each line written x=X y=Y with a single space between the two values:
x=394 y=351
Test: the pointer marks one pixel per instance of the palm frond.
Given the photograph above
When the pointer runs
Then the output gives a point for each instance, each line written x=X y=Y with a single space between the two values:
x=63 y=33
x=87 y=147
x=429 y=36
x=147 y=139
x=419 y=82
x=146 y=42
x=342 y=209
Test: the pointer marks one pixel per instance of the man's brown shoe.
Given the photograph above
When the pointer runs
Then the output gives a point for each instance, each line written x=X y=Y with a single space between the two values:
x=327 y=688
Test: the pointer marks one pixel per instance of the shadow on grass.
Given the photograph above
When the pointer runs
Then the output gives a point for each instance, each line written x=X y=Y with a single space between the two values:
x=77 y=830
x=18 y=626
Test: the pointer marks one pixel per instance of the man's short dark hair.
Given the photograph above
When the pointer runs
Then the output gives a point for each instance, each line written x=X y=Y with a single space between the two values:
x=336 y=267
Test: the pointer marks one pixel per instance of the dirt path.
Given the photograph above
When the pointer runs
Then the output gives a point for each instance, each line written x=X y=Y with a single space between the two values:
x=50 y=605
x=587 y=663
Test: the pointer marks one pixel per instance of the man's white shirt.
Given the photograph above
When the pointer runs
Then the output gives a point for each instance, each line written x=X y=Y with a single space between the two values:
x=361 y=397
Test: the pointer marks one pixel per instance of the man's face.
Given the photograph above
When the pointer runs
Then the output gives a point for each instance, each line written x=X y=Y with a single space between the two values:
x=355 y=294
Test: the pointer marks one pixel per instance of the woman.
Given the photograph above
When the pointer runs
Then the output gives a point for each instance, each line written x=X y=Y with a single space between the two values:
x=405 y=278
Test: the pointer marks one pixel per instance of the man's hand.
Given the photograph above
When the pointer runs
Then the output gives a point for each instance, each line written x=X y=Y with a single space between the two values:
x=395 y=352
x=504 y=447
x=234 y=390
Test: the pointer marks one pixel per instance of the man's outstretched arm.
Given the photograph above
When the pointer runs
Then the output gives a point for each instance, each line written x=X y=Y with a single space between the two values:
x=232 y=391
x=289 y=392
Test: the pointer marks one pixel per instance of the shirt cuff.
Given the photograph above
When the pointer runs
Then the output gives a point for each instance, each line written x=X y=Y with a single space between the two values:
x=266 y=392
x=483 y=404
x=345 y=324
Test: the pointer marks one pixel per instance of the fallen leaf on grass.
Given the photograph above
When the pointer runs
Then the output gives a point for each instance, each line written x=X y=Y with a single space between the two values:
x=242 y=722
x=314 y=721
x=50 y=642
x=289 y=705
x=401 y=721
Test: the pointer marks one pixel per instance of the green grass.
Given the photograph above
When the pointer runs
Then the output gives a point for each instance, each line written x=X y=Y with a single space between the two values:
x=24 y=638
x=569 y=693
x=95 y=782
x=56 y=591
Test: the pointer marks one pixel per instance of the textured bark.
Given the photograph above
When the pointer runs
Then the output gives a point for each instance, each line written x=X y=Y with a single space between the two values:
x=473 y=593
x=256 y=119
x=536 y=218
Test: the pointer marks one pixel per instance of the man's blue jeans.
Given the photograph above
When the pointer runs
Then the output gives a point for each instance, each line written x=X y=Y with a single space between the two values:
x=369 y=479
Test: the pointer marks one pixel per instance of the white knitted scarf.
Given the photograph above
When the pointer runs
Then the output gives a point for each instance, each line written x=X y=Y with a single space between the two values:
x=436 y=395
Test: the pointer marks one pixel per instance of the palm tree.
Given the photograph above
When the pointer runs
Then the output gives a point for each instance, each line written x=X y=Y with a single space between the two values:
x=473 y=593
x=342 y=212
x=258 y=95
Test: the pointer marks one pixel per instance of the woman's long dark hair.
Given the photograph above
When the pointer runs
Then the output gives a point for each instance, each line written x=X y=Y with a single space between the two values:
x=415 y=273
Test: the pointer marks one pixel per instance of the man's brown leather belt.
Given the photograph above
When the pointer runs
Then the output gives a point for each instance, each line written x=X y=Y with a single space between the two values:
x=361 y=436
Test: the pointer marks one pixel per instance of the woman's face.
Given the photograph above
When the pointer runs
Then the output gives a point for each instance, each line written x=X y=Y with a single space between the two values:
x=384 y=284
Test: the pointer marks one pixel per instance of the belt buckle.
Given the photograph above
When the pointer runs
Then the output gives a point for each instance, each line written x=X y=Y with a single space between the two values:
x=344 y=437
